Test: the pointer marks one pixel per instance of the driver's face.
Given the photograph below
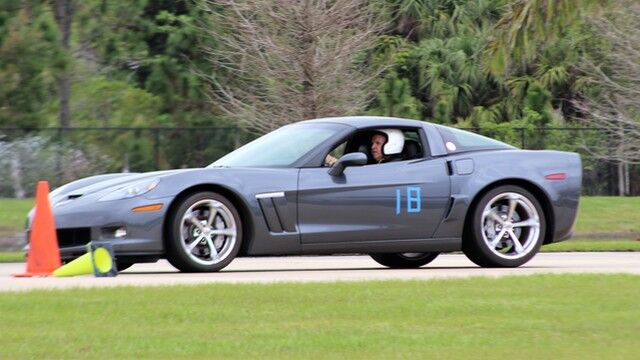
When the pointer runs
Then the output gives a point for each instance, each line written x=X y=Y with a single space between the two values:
x=377 y=141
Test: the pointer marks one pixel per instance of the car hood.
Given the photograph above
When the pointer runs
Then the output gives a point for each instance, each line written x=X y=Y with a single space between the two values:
x=106 y=183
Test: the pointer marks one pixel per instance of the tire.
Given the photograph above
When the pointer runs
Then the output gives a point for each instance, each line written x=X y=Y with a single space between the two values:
x=507 y=228
x=204 y=234
x=404 y=260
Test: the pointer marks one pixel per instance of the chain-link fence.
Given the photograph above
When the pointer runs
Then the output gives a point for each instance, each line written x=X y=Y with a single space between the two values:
x=63 y=155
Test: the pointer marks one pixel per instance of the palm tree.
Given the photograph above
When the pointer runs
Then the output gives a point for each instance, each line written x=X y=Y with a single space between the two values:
x=450 y=76
x=526 y=24
x=395 y=99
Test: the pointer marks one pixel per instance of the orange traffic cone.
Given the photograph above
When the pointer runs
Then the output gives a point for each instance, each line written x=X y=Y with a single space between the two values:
x=44 y=254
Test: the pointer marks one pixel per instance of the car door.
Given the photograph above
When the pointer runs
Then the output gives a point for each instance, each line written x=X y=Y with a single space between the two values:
x=390 y=201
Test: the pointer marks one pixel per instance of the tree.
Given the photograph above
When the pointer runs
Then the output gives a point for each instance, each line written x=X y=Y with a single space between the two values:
x=63 y=10
x=450 y=77
x=280 y=61
x=153 y=45
x=613 y=103
x=395 y=100
x=29 y=61
x=442 y=61
x=528 y=25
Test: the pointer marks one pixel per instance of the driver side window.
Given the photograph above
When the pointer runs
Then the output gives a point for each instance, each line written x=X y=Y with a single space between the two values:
x=405 y=144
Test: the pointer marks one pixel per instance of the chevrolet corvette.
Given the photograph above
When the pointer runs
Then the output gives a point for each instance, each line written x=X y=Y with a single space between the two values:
x=402 y=191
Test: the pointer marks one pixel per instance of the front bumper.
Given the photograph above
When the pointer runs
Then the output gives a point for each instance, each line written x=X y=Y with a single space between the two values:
x=86 y=219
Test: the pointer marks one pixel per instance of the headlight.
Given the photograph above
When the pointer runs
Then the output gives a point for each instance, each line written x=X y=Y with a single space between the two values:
x=132 y=190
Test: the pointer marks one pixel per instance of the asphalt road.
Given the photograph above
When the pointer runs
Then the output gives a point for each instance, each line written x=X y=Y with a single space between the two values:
x=327 y=268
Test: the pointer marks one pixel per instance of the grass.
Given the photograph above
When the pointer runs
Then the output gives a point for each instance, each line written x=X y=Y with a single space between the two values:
x=11 y=256
x=536 y=317
x=13 y=213
x=606 y=214
x=593 y=245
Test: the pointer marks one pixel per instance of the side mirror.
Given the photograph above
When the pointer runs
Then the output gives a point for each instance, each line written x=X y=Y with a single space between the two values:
x=350 y=159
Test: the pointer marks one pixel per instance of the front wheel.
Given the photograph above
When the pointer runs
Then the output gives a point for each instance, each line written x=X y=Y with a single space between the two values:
x=404 y=260
x=507 y=228
x=205 y=233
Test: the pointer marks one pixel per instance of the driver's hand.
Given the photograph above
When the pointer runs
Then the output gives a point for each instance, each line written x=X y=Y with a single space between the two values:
x=329 y=160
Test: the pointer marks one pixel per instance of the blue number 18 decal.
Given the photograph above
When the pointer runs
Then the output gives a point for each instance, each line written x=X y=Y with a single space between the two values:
x=413 y=200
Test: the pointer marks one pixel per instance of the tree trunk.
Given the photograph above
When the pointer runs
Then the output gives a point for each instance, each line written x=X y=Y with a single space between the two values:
x=63 y=10
x=125 y=163
x=621 y=186
x=236 y=139
x=64 y=114
x=620 y=155
x=627 y=184
x=16 y=175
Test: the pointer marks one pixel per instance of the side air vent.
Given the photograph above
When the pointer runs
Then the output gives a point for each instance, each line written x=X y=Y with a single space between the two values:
x=270 y=214
x=273 y=206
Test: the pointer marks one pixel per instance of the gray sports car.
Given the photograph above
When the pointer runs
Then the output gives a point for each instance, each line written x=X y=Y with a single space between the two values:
x=400 y=190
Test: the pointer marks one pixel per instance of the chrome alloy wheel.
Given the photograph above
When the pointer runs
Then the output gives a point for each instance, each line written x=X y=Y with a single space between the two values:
x=208 y=232
x=510 y=225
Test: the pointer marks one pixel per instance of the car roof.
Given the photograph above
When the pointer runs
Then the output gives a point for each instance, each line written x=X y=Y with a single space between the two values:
x=361 y=122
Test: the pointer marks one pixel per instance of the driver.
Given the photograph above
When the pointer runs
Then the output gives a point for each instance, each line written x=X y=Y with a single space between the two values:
x=386 y=145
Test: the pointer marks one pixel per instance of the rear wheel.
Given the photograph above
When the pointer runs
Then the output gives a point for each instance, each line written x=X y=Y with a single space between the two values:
x=205 y=233
x=507 y=228
x=404 y=260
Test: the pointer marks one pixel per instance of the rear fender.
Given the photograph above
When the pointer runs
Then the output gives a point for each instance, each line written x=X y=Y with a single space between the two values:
x=559 y=198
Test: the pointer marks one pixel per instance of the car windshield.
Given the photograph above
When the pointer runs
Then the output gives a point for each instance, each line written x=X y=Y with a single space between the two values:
x=282 y=147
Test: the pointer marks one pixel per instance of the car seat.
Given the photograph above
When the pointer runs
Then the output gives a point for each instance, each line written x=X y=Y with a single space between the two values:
x=365 y=150
x=411 y=150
